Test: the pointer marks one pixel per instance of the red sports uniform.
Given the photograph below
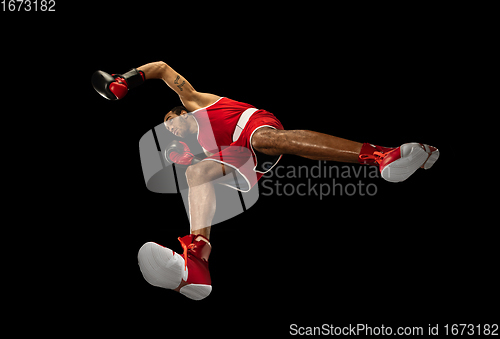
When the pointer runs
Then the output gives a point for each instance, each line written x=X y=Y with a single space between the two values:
x=225 y=129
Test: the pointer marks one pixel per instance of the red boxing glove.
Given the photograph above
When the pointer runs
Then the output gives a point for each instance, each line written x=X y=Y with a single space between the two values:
x=179 y=153
x=118 y=87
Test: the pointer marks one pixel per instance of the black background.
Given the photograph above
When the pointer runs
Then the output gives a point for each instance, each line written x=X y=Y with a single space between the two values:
x=412 y=254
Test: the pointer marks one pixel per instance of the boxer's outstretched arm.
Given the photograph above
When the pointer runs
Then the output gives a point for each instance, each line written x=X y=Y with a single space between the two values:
x=191 y=99
x=160 y=70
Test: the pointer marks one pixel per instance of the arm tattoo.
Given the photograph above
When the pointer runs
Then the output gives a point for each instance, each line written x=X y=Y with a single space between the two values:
x=180 y=86
x=176 y=81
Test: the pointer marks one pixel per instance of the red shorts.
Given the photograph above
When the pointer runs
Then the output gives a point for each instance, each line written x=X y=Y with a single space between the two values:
x=240 y=155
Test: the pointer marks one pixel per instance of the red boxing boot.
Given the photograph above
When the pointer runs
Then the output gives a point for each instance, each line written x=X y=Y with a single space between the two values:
x=366 y=155
x=196 y=283
x=187 y=274
x=398 y=164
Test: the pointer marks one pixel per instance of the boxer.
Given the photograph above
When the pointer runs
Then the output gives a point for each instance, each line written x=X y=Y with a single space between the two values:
x=242 y=140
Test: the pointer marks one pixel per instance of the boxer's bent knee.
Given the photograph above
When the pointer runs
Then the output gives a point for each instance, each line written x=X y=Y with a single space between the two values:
x=204 y=171
x=193 y=173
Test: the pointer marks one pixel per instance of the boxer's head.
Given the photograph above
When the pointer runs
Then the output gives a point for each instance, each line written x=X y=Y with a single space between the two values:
x=178 y=122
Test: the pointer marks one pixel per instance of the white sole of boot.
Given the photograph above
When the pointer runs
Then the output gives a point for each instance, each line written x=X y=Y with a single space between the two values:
x=160 y=266
x=196 y=291
x=413 y=156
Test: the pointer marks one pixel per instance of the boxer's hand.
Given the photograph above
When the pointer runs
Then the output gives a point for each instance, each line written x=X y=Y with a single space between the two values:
x=116 y=86
x=178 y=152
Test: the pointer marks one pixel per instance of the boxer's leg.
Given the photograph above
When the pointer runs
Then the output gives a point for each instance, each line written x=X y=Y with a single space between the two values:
x=396 y=164
x=307 y=144
x=201 y=196
x=187 y=272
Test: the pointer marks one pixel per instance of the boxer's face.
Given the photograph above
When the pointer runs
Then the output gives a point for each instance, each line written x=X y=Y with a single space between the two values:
x=177 y=124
